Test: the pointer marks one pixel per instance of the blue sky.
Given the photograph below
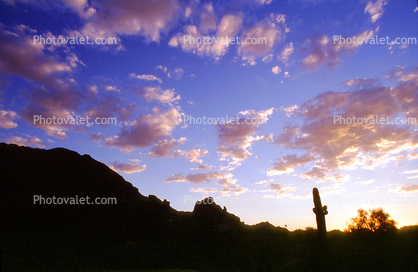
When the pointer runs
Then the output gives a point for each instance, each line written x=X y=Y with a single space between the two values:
x=299 y=78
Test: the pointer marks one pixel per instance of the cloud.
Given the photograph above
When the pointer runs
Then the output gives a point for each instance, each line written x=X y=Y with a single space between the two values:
x=167 y=96
x=128 y=168
x=80 y=7
x=364 y=182
x=415 y=171
x=163 y=147
x=360 y=83
x=375 y=9
x=286 y=52
x=53 y=92
x=309 y=3
x=147 y=18
x=96 y=137
x=236 y=138
x=194 y=155
x=20 y=55
x=333 y=145
x=289 y=110
x=289 y=163
x=197 y=178
x=177 y=73
x=215 y=46
x=226 y=180
x=147 y=77
x=6 y=119
x=213 y=39
x=203 y=167
x=323 y=50
x=146 y=130
x=265 y=34
x=277 y=190
x=177 y=153
x=28 y=141
x=207 y=19
x=105 y=101
x=334 y=188
x=264 y=181
x=288 y=133
x=320 y=173
x=412 y=177
x=408 y=188
x=276 y=70
x=204 y=190
x=235 y=191
x=230 y=186
x=264 y=2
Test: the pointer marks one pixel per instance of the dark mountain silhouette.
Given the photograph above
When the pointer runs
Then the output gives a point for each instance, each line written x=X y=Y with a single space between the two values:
x=27 y=172
x=143 y=232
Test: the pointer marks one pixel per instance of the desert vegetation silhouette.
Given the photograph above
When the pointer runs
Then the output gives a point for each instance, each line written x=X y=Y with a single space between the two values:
x=374 y=220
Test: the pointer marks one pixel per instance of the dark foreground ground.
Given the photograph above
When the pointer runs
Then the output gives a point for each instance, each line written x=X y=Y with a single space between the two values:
x=142 y=233
x=245 y=250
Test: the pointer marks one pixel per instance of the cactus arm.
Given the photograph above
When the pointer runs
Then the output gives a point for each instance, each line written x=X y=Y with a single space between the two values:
x=320 y=212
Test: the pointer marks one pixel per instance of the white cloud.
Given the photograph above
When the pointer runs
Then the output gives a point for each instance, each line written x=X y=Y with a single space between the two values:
x=205 y=190
x=191 y=39
x=276 y=70
x=286 y=52
x=194 y=155
x=167 y=96
x=375 y=9
x=147 y=77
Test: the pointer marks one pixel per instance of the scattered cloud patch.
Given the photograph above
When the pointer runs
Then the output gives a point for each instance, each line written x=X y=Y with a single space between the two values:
x=375 y=9
x=128 y=168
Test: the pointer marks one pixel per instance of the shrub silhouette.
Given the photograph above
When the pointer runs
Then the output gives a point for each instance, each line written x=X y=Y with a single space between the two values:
x=375 y=220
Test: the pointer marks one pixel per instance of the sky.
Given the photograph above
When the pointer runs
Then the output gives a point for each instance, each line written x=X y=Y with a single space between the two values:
x=252 y=102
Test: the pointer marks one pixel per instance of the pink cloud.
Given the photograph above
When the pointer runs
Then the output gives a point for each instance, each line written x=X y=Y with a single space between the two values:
x=148 y=18
x=237 y=137
x=28 y=141
x=128 y=168
x=333 y=145
x=147 y=130
x=6 y=119
x=289 y=163
x=323 y=50
x=267 y=32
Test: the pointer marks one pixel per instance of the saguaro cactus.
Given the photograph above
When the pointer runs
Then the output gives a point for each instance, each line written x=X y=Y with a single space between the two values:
x=320 y=212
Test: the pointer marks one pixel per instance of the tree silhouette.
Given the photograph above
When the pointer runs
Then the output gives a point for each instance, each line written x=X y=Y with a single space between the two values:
x=375 y=220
